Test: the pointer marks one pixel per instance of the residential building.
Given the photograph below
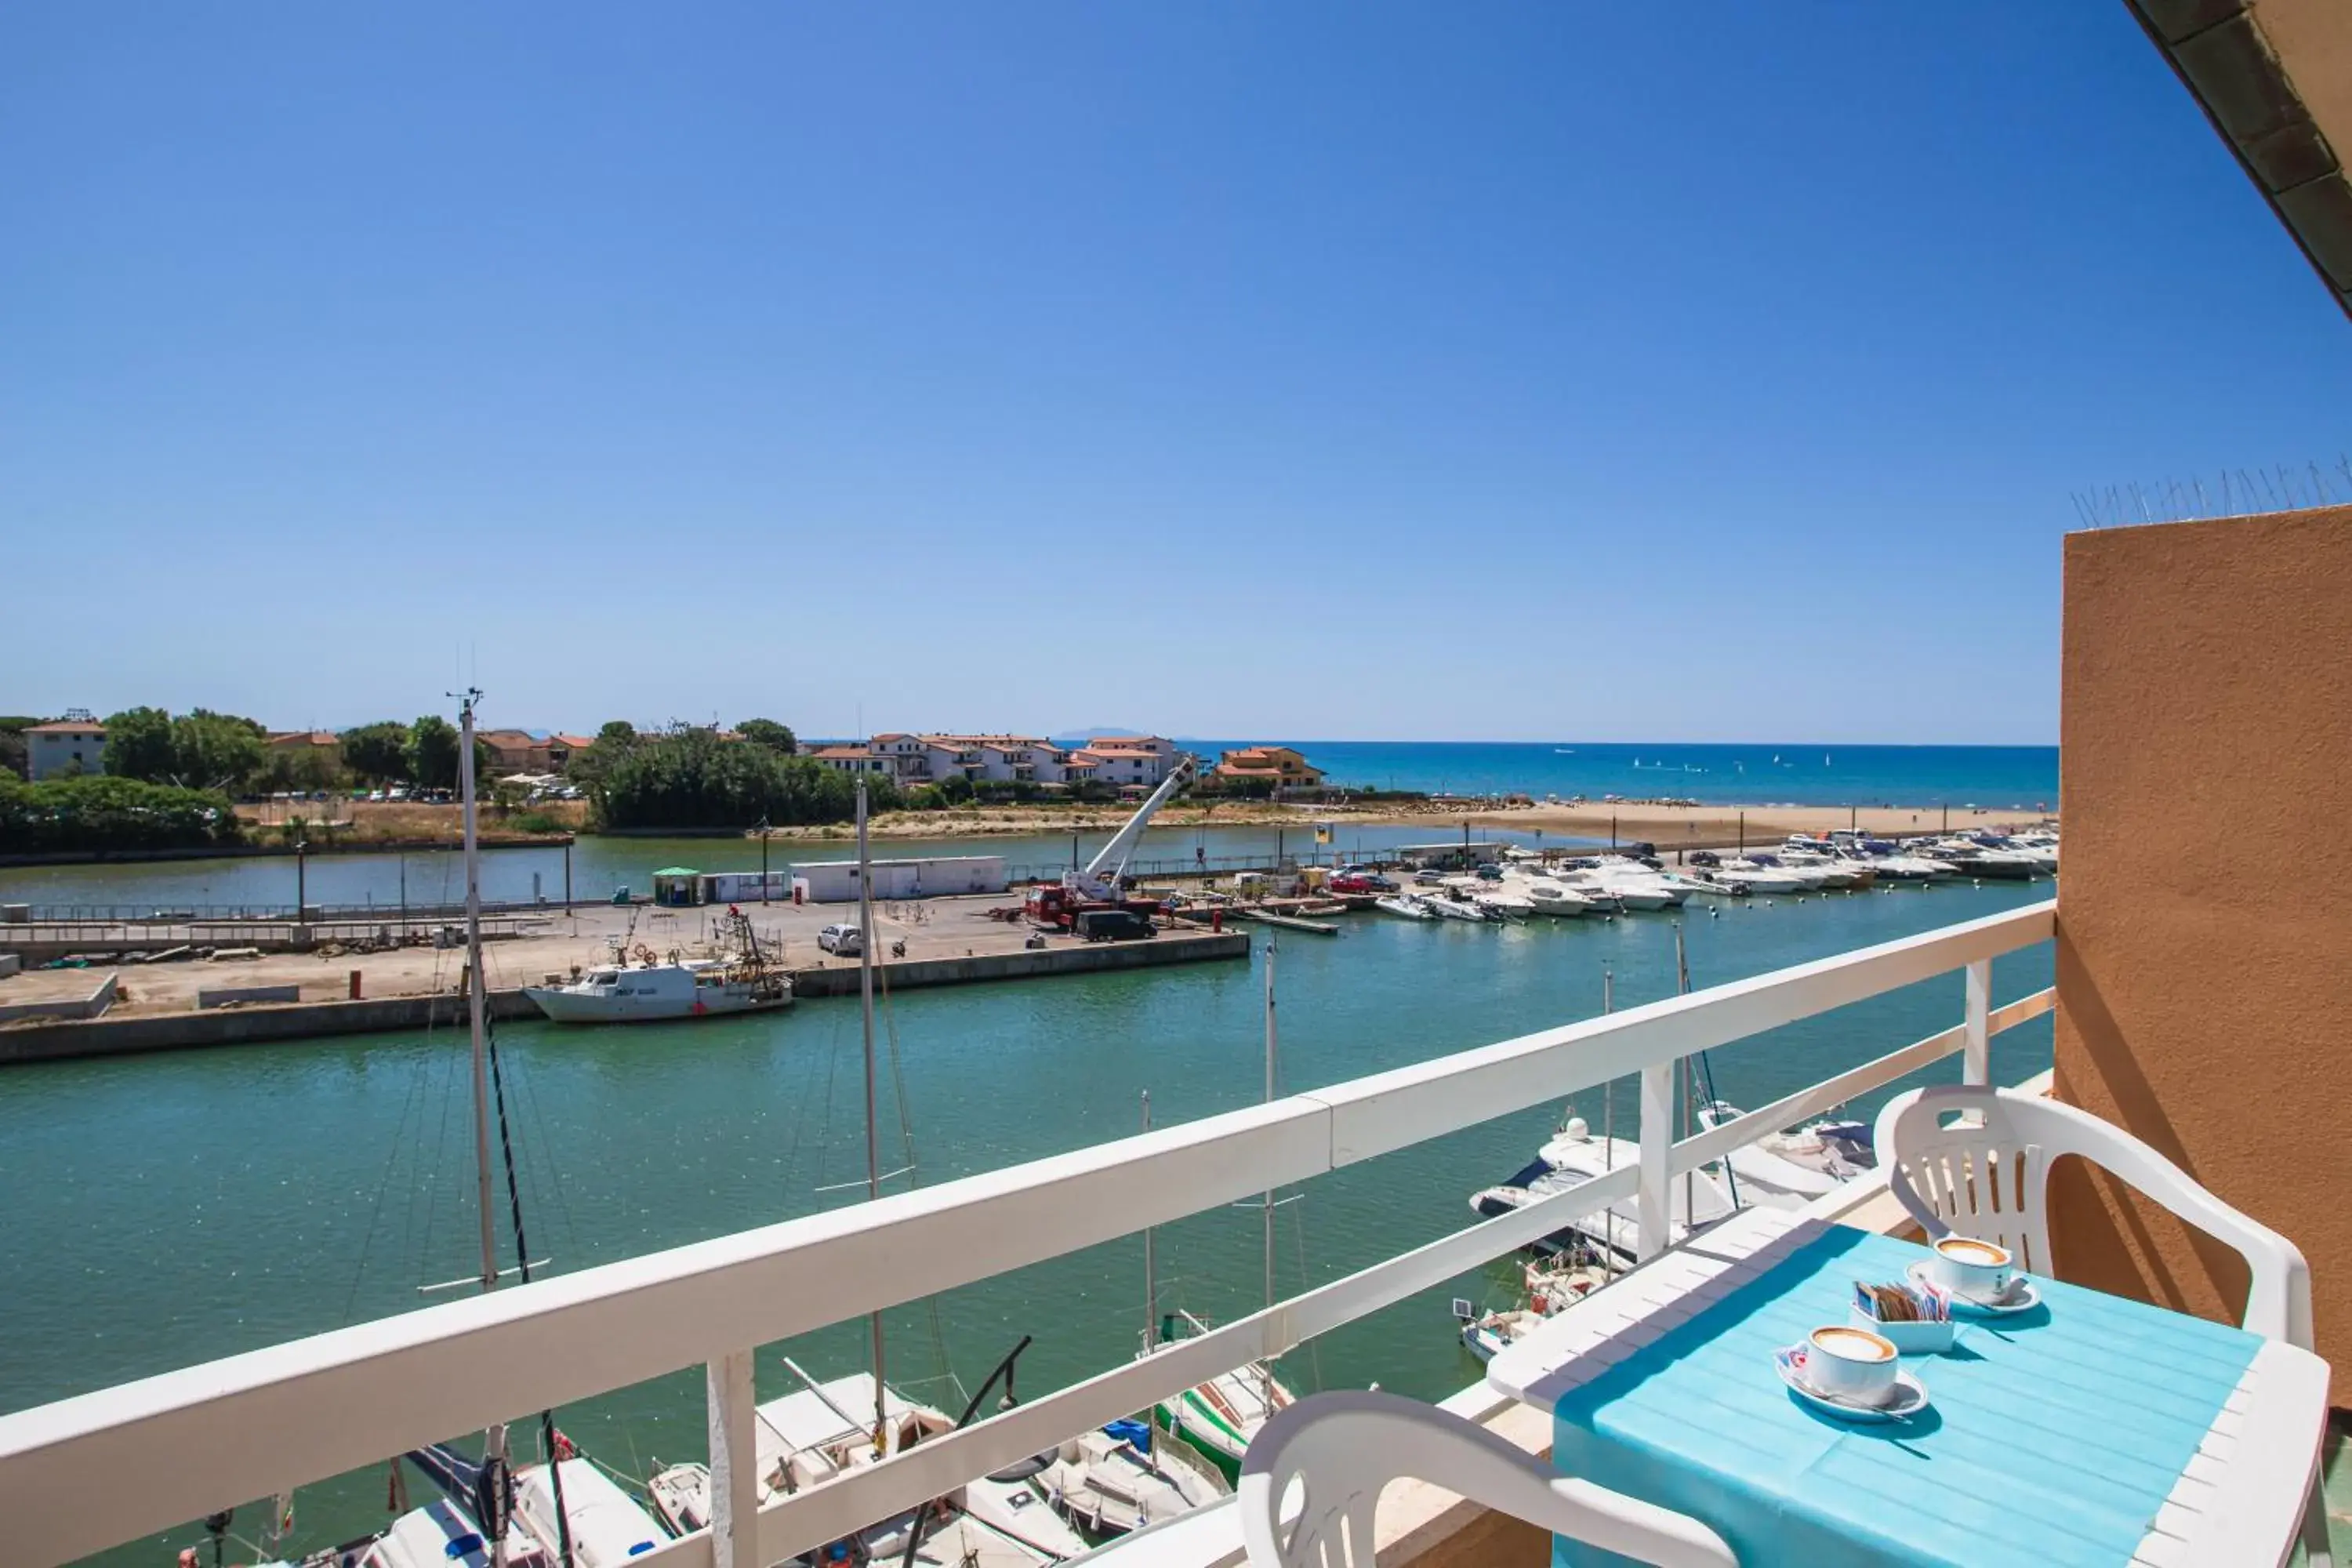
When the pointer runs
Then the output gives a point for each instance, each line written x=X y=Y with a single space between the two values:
x=516 y=752
x=914 y=758
x=322 y=743
x=1132 y=759
x=563 y=749
x=73 y=744
x=849 y=759
x=1278 y=765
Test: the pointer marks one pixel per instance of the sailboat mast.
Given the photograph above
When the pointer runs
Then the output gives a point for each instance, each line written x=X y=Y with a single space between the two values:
x=1268 y=1214
x=494 y=1440
x=1150 y=1270
x=873 y=1141
x=474 y=989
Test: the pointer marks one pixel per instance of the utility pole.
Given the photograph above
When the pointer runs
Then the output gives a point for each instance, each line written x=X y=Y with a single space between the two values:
x=763 y=857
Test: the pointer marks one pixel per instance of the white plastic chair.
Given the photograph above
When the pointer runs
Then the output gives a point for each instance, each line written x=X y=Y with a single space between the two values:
x=1346 y=1447
x=1971 y=1160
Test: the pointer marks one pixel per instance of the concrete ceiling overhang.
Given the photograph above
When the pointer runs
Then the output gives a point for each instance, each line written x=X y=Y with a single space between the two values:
x=2275 y=77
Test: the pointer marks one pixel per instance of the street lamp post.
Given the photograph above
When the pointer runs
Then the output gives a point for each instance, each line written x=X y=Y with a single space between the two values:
x=763 y=857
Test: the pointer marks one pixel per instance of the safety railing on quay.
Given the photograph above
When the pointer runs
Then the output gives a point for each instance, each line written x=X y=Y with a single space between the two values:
x=86 y=1472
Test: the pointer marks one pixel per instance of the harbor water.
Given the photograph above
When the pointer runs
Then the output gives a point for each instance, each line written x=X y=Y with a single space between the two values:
x=166 y=1209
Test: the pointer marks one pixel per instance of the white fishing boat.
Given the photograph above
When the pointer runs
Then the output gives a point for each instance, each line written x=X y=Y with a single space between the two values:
x=619 y=992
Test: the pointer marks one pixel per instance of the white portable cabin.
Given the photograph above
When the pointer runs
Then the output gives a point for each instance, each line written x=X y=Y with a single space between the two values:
x=743 y=887
x=928 y=876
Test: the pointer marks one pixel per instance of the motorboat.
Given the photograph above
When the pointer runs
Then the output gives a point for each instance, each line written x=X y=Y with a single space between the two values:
x=1574 y=1156
x=1452 y=906
x=1551 y=898
x=1763 y=878
x=1791 y=1168
x=1118 y=1478
x=1490 y=1334
x=826 y=1429
x=1406 y=905
x=1703 y=885
x=622 y=992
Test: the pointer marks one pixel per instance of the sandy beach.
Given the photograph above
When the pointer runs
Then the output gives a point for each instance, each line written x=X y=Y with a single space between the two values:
x=1668 y=826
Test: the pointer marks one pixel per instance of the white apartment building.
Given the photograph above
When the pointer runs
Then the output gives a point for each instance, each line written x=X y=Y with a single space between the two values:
x=71 y=746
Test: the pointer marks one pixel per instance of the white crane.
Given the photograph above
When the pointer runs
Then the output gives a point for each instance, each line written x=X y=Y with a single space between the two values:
x=1100 y=879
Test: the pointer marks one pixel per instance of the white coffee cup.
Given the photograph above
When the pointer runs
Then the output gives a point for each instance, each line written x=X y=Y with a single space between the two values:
x=1975 y=1270
x=1851 y=1363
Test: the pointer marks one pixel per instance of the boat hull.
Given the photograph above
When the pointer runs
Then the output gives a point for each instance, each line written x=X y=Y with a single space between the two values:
x=569 y=1007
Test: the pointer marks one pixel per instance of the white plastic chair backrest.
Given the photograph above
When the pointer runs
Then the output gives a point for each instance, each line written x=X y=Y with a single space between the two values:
x=1975 y=1161
x=1962 y=1159
x=1344 y=1448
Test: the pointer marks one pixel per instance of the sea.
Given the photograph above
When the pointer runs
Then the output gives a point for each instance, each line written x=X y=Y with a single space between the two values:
x=1792 y=773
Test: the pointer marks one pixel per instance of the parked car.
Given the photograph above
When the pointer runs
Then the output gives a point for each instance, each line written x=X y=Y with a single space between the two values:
x=1114 y=925
x=1428 y=877
x=842 y=941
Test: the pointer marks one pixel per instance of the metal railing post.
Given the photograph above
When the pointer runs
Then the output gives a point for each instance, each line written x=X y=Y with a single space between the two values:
x=1653 y=1205
x=1976 y=1061
x=734 y=1462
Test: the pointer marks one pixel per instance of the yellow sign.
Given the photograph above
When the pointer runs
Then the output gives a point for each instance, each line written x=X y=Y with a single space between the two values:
x=1322 y=833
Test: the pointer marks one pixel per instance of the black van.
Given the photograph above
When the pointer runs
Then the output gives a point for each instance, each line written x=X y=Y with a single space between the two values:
x=1114 y=925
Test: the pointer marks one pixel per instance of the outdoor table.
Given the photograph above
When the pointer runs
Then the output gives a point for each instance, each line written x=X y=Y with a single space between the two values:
x=2090 y=1429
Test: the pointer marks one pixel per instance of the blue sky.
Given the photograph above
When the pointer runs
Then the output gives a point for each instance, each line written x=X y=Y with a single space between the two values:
x=1323 y=370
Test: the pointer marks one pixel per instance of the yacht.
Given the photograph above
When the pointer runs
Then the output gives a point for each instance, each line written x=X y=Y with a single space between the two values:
x=1761 y=878
x=1574 y=1156
x=1789 y=1169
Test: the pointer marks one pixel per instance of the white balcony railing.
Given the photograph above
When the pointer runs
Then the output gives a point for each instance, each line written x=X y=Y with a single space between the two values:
x=85 y=1473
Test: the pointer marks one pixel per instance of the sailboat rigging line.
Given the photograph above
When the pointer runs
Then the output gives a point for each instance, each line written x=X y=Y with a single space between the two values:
x=383 y=1186
x=846 y=1186
x=907 y=1145
x=522 y=1265
x=873 y=1151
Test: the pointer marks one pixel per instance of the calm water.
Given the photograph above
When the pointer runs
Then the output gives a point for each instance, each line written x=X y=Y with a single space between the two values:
x=165 y=1209
x=600 y=864
x=1791 y=773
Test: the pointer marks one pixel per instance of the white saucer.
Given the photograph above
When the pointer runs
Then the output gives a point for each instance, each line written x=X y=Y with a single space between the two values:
x=2024 y=1295
x=1910 y=1394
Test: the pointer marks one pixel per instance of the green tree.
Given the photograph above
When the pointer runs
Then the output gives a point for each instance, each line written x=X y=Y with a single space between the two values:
x=98 y=814
x=13 y=749
x=433 y=753
x=777 y=738
x=378 y=752
x=139 y=746
x=690 y=778
x=618 y=730
x=216 y=751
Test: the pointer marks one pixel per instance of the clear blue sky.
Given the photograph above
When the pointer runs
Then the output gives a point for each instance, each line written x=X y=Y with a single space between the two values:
x=1311 y=369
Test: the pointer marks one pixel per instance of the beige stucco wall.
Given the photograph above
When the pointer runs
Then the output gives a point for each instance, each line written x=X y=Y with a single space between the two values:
x=2205 y=897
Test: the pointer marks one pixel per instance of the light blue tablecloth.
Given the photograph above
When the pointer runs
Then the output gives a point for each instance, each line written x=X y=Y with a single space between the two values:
x=2053 y=1437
